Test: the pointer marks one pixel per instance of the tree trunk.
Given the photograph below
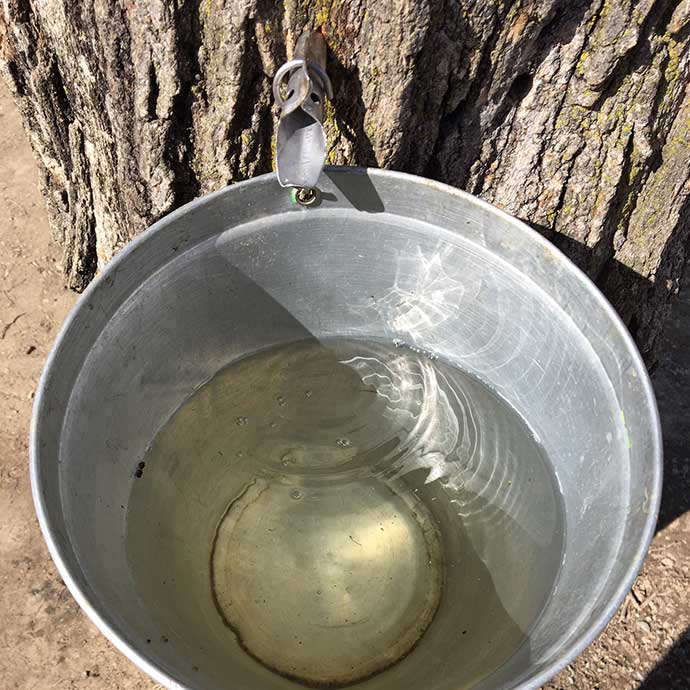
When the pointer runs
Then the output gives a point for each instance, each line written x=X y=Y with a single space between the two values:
x=573 y=115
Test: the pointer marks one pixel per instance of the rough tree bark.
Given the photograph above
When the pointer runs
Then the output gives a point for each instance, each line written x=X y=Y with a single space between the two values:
x=571 y=114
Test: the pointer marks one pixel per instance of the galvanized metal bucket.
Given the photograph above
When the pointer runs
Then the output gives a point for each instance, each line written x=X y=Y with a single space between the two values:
x=378 y=255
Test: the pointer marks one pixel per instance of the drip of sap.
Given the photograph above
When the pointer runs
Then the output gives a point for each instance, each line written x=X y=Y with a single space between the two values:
x=341 y=509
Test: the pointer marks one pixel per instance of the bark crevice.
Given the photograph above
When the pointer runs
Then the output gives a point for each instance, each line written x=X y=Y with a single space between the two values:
x=179 y=144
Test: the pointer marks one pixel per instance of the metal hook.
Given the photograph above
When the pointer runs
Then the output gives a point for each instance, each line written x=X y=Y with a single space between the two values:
x=299 y=88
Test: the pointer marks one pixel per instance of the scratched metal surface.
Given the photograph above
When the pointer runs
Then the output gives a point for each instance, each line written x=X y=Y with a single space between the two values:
x=383 y=255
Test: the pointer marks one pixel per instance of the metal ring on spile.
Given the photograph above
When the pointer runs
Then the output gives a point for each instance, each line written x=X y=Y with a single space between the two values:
x=313 y=70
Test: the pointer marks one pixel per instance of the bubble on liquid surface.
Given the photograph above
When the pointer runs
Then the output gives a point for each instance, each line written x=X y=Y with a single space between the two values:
x=241 y=421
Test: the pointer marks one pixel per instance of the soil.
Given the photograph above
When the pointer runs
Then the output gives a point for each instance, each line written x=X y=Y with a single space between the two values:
x=46 y=641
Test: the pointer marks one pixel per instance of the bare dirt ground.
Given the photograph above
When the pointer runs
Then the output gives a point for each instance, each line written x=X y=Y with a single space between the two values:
x=46 y=642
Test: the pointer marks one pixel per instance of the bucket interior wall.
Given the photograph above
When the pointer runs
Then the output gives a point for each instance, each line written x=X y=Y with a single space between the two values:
x=384 y=256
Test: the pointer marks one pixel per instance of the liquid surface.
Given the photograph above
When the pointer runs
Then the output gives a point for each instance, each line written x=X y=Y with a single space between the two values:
x=341 y=509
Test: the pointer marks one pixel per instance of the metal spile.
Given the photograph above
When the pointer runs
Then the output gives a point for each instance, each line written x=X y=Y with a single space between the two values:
x=299 y=89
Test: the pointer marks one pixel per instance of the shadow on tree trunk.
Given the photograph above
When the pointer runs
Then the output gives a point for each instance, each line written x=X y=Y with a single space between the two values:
x=348 y=109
